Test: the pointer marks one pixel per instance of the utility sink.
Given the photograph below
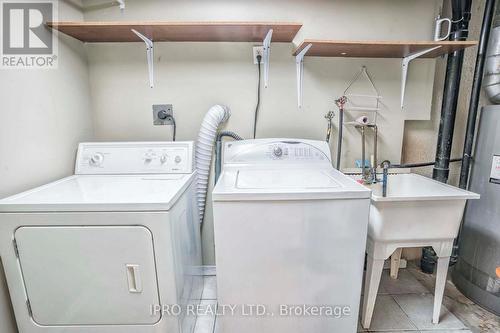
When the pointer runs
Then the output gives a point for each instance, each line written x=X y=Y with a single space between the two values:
x=416 y=207
x=416 y=212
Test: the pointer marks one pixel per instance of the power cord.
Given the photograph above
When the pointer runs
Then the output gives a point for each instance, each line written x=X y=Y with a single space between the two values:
x=172 y=119
x=163 y=115
x=259 y=59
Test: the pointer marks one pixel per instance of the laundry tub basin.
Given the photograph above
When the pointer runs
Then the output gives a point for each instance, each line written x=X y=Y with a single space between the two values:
x=416 y=208
x=416 y=212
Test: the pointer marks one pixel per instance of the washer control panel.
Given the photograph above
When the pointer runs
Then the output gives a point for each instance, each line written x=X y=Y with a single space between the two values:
x=274 y=150
x=135 y=158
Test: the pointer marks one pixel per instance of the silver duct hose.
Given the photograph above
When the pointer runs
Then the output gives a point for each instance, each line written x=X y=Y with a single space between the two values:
x=492 y=68
x=217 y=115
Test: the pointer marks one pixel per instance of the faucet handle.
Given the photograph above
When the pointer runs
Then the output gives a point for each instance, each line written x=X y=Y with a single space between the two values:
x=340 y=102
x=385 y=164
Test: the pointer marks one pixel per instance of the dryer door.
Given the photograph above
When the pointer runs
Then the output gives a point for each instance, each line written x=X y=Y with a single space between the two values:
x=89 y=275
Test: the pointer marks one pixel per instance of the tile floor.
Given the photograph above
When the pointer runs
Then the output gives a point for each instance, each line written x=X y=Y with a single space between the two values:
x=403 y=305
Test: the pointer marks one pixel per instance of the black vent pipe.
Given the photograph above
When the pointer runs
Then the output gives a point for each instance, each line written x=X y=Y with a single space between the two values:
x=475 y=93
x=461 y=16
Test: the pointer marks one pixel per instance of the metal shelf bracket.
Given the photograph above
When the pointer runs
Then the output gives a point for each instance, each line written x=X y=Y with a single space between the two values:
x=266 y=54
x=149 y=54
x=121 y=4
x=404 y=69
x=299 y=62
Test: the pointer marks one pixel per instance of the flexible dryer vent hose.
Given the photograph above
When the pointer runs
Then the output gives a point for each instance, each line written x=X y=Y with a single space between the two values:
x=491 y=81
x=217 y=115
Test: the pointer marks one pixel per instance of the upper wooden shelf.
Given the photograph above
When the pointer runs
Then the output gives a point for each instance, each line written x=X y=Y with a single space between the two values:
x=379 y=49
x=178 y=31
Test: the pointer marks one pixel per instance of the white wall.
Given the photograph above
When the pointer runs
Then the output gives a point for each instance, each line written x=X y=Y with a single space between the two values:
x=194 y=76
x=44 y=114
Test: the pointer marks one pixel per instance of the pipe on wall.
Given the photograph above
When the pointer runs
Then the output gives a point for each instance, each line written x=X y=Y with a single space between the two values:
x=494 y=64
x=461 y=14
x=461 y=10
x=340 y=137
x=420 y=165
x=340 y=102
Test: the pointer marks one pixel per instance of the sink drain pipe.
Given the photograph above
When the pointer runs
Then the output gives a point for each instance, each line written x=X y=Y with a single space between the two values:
x=492 y=82
x=420 y=164
x=461 y=10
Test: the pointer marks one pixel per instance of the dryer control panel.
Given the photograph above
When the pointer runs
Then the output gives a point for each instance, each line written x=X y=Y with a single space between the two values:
x=135 y=158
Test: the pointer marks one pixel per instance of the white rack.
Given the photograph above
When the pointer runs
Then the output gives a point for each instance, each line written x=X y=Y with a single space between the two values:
x=363 y=73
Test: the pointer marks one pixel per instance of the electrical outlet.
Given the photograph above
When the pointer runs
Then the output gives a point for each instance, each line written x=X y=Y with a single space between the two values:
x=162 y=114
x=258 y=50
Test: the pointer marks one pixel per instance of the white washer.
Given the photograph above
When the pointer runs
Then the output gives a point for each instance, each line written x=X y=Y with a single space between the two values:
x=100 y=251
x=290 y=234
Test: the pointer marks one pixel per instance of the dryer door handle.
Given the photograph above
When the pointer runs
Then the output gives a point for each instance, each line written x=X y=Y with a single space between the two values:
x=134 y=278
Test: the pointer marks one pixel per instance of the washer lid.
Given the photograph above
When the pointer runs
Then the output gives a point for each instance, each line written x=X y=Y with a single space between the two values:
x=102 y=193
x=237 y=184
x=285 y=179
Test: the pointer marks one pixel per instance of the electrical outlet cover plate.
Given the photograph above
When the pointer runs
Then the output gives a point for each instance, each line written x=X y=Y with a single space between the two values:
x=258 y=50
x=157 y=108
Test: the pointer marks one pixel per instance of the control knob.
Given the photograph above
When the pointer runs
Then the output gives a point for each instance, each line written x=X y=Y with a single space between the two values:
x=96 y=159
x=277 y=152
x=149 y=156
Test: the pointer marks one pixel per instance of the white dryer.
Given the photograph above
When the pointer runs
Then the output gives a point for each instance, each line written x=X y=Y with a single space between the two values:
x=290 y=235
x=107 y=249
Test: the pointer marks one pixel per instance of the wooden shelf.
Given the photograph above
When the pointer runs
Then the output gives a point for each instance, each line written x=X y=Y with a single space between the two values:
x=379 y=49
x=178 y=31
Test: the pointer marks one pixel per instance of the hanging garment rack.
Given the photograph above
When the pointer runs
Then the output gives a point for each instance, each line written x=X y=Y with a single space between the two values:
x=363 y=72
x=343 y=107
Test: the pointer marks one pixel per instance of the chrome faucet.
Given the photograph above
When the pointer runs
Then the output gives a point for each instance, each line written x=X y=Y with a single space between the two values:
x=385 y=166
x=329 y=116
x=369 y=175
